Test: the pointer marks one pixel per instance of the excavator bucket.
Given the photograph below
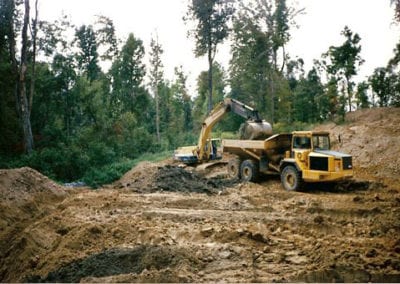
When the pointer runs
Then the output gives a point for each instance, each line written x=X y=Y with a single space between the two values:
x=255 y=130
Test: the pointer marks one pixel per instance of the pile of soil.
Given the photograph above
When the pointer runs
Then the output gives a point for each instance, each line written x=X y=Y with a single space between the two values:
x=25 y=196
x=149 y=177
x=128 y=263
x=20 y=185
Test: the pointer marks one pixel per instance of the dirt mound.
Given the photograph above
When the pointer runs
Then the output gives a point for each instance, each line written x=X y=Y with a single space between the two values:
x=372 y=136
x=25 y=196
x=126 y=263
x=149 y=177
x=20 y=185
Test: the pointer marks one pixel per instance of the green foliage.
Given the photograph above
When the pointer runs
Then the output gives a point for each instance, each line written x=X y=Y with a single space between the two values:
x=200 y=102
x=98 y=176
x=362 y=95
x=127 y=73
x=294 y=126
x=385 y=84
x=87 y=55
x=345 y=60
x=211 y=17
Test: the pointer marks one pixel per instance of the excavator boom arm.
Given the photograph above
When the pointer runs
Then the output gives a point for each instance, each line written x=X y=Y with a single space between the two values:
x=255 y=128
x=216 y=114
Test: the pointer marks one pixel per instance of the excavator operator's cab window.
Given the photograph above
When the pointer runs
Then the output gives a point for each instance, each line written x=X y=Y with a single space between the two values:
x=214 y=144
x=302 y=142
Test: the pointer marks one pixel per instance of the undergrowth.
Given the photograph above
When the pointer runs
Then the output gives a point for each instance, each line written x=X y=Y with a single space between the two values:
x=96 y=177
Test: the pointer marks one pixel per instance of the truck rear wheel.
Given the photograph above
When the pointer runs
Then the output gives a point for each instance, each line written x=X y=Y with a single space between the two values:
x=291 y=179
x=234 y=168
x=249 y=170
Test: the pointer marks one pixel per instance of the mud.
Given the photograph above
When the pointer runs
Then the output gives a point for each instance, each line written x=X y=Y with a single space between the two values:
x=121 y=262
x=150 y=178
x=165 y=223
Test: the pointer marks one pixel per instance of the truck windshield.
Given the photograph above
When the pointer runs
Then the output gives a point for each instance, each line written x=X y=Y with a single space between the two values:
x=302 y=142
x=321 y=142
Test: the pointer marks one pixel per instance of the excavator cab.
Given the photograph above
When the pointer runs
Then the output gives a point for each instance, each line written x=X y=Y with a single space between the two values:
x=212 y=147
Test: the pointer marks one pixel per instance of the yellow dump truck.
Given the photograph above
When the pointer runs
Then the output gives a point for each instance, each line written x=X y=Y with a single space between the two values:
x=301 y=156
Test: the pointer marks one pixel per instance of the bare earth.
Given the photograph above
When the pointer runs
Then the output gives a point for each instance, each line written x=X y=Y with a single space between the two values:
x=164 y=223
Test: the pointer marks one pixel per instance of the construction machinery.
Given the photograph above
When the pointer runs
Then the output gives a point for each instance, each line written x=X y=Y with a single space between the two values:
x=206 y=148
x=302 y=156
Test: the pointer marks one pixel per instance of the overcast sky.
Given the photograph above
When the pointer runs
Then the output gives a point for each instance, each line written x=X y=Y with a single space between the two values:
x=319 y=28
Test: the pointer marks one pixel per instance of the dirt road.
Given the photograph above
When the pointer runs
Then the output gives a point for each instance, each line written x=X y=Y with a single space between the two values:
x=162 y=223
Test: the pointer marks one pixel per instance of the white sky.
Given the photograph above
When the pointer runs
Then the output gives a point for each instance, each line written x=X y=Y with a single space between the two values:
x=318 y=29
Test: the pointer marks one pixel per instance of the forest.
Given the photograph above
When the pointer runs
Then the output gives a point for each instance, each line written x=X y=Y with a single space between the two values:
x=66 y=115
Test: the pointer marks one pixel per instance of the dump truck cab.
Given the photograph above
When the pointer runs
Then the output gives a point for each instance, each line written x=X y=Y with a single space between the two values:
x=311 y=159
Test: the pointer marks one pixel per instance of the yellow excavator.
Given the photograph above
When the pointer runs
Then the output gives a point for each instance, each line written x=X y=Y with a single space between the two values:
x=254 y=128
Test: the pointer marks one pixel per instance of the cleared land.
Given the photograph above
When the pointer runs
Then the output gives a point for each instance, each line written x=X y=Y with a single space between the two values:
x=164 y=223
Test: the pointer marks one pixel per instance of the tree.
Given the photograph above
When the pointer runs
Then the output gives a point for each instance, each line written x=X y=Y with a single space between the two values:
x=362 y=95
x=87 y=56
x=201 y=101
x=345 y=60
x=250 y=64
x=34 y=30
x=127 y=73
x=106 y=38
x=309 y=104
x=9 y=119
x=181 y=95
x=156 y=77
x=396 y=4
x=261 y=32
x=383 y=84
x=22 y=100
x=211 y=17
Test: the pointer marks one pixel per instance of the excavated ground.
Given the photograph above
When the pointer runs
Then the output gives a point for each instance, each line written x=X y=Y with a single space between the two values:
x=164 y=223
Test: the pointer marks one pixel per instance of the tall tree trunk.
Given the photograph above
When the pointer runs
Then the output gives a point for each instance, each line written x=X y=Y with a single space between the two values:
x=157 y=113
x=13 y=59
x=33 y=76
x=22 y=98
x=349 y=92
x=272 y=90
x=210 y=78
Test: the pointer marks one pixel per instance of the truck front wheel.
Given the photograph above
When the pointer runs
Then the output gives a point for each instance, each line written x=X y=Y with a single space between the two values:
x=249 y=170
x=291 y=179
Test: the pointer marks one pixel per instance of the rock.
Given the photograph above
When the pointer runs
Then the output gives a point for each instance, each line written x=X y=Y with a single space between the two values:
x=206 y=232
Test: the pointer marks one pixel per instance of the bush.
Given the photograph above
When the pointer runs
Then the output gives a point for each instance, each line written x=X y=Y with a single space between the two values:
x=96 y=177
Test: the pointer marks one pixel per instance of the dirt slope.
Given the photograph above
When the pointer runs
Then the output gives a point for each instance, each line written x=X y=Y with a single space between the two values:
x=25 y=196
x=164 y=223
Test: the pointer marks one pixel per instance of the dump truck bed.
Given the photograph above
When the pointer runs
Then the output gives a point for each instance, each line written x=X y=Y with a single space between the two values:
x=273 y=148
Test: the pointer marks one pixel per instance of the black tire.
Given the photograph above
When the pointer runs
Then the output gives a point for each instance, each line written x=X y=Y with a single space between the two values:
x=291 y=178
x=249 y=170
x=234 y=168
